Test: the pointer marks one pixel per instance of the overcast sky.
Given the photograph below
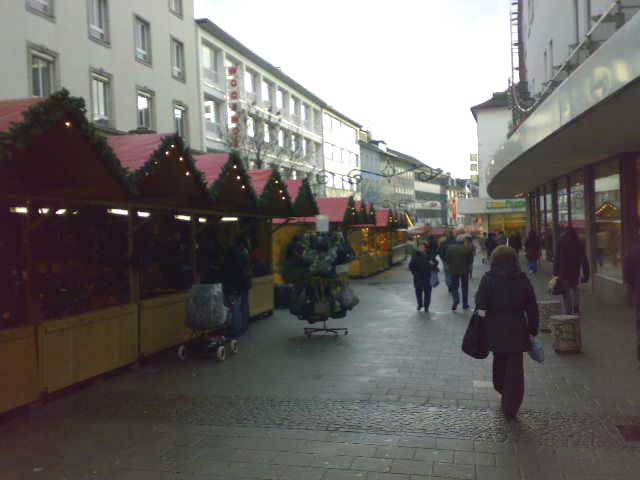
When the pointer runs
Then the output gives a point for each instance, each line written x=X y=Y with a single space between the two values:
x=407 y=70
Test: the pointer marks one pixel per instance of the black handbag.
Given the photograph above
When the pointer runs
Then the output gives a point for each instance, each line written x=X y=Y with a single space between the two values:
x=475 y=342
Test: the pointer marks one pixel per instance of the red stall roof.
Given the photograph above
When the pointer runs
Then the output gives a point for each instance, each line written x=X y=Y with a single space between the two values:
x=135 y=150
x=211 y=165
x=382 y=217
x=11 y=111
x=293 y=186
x=259 y=179
x=333 y=207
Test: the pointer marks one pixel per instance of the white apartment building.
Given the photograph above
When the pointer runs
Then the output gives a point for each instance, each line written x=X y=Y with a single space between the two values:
x=551 y=30
x=127 y=59
x=278 y=120
x=341 y=154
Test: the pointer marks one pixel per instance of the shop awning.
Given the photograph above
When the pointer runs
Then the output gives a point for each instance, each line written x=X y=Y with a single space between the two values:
x=272 y=192
x=304 y=202
x=49 y=150
x=162 y=169
x=228 y=183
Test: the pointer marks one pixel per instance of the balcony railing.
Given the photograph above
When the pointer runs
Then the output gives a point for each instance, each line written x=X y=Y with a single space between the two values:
x=613 y=18
x=211 y=75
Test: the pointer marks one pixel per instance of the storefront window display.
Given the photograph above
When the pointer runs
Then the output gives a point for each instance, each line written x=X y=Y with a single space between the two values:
x=563 y=205
x=547 y=231
x=577 y=205
x=608 y=219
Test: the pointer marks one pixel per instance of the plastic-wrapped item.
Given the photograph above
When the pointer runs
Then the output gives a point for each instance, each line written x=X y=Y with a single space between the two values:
x=348 y=298
x=205 y=308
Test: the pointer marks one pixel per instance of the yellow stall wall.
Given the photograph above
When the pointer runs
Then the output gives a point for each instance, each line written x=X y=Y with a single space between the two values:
x=18 y=368
x=261 y=295
x=162 y=322
x=280 y=239
x=73 y=349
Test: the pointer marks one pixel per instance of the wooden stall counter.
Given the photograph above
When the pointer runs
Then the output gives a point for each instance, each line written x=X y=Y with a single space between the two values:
x=80 y=347
x=18 y=367
x=261 y=295
x=162 y=322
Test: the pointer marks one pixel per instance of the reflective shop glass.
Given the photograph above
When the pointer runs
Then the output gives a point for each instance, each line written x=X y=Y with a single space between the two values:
x=577 y=204
x=608 y=219
x=563 y=205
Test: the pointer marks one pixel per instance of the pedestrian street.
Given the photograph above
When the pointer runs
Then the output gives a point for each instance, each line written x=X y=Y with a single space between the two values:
x=395 y=399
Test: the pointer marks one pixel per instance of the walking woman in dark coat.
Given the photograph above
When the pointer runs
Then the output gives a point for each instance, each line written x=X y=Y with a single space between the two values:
x=422 y=264
x=508 y=303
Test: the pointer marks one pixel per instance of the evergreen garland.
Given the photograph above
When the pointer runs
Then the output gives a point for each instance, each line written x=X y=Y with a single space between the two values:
x=304 y=200
x=350 y=215
x=271 y=198
x=372 y=214
x=52 y=112
x=216 y=187
x=171 y=143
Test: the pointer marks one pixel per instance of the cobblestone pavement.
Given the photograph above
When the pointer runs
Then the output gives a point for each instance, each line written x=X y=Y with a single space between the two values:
x=393 y=400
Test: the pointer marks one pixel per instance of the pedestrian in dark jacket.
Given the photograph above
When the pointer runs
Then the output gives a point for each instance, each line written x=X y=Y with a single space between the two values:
x=508 y=304
x=459 y=258
x=490 y=244
x=501 y=239
x=515 y=242
x=632 y=278
x=442 y=253
x=237 y=283
x=532 y=248
x=570 y=258
x=422 y=264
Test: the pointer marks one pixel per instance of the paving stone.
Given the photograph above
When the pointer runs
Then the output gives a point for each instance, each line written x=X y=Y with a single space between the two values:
x=332 y=461
x=371 y=464
x=434 y=455
x=463 y=472
x=344 y=475
x=294 y=459
x=412 y=467
x=498 y=473
x=406 y=453
x=474 y=458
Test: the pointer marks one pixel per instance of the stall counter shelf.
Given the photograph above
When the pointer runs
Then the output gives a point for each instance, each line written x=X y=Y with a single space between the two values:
x=79 y=347
x=162 y=322
x=18 y=367
x=261 y=296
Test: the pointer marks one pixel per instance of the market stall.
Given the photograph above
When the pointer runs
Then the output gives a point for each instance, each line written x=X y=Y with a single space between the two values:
x=249 y=200
x=71 y=317
x=274 y=200
x=285 y=229
x=399 y=238
x=170 y=190
x=364 y=239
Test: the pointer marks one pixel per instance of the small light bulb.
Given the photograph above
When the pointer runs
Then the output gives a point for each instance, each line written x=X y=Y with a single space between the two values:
x=235 y=166
x=276 y=182
x=238 y=177
x=243 y=187
x=283 y=198
x=67 y=124
x=167 y=153
x=188 y=173
x=173 y=146
x=181 y=158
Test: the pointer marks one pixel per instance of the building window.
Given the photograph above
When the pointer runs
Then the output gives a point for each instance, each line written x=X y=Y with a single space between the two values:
x=279 y=99
x=326 y=121
x=177 y=59
x=294 y=107
x=41 y=6
x=293 y=142
x=180 y=119
x=42 y=74
x=266 y=130
x=563 y=205
x=145 y=109
x=249 y=83
x=281 y=138
x=211 y=63
x=143 y=40
x=266 y=93
x=100 y=99
x=608 y=218
x=98 y=20
x=176 y=7
x=213 y=118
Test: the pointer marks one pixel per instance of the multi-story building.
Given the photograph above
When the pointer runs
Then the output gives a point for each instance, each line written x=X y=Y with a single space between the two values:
x=341 y=153
x=373 y=154
x=573 y=149
x=431 y=201
x=403 y=167
x=493 y=118
x=278 y=121
x=129 y=60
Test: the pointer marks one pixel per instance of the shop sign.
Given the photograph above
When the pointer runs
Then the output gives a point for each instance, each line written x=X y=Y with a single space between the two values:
x=234 y=105
x=519 y=203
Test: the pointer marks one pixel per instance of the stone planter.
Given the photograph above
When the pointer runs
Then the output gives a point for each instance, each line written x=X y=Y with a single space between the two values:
x=567 y=337
x=548 y=309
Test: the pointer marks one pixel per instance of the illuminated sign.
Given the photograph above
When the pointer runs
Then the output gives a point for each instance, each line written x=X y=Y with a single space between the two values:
x=504 y=204
x=234 y=105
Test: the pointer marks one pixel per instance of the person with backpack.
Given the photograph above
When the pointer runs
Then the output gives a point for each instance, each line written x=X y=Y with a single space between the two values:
x=507 y=303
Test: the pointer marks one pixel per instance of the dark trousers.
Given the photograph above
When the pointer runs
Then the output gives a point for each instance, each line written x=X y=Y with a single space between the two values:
x=457 y=281
x=423 y=296
x=239 y=313
x=508 y=380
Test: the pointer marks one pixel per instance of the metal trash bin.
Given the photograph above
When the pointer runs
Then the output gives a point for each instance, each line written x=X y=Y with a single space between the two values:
x=548 y=309
x=567 y=337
